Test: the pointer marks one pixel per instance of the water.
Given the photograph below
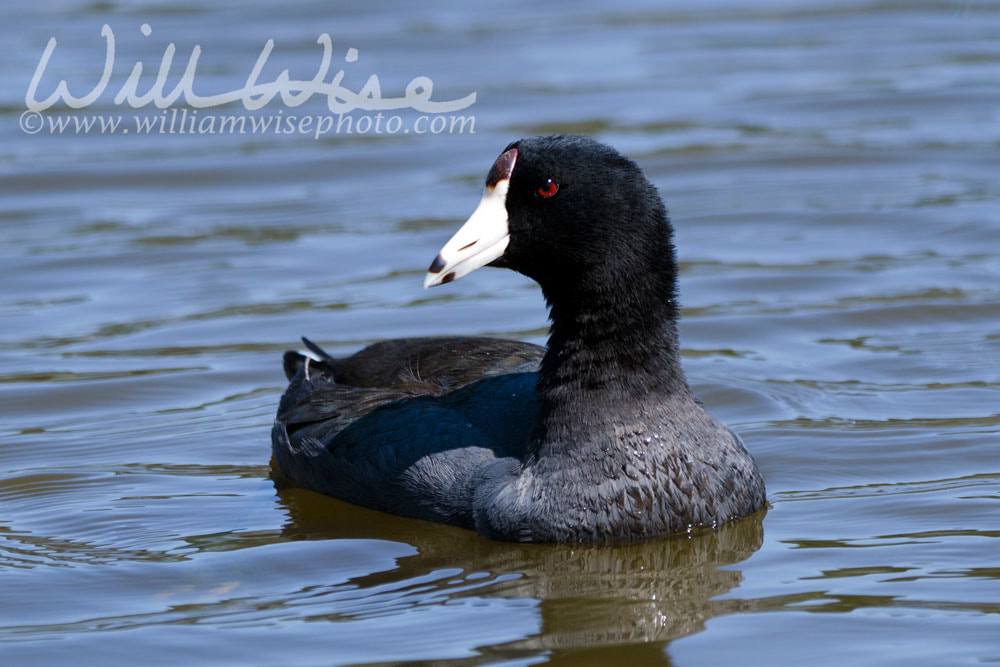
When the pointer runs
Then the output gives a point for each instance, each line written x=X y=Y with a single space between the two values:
x=831 y=171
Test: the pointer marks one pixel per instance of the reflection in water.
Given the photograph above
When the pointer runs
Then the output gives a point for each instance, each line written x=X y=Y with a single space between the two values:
x=594 y=597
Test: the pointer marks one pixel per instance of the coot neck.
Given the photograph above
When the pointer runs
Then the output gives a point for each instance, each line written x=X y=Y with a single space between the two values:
x=613 y=349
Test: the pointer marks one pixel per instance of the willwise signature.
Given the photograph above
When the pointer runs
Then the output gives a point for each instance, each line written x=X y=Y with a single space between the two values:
x=253 y=95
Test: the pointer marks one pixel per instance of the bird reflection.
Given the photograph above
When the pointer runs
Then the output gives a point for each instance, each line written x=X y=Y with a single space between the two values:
x=632 y=597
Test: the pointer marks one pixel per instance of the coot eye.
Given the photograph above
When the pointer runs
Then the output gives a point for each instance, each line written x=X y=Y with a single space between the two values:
x=548 y=189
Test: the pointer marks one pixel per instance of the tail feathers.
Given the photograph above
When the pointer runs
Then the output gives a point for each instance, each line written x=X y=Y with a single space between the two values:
x=314 y=361
x=317 y=350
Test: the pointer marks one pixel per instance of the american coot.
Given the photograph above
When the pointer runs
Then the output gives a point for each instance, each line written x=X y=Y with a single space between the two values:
x=597 y=436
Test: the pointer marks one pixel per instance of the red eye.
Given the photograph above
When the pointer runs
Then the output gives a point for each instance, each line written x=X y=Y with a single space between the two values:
x=549 y=189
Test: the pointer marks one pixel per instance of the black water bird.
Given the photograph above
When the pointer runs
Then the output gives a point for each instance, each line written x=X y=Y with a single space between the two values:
x=596 y=436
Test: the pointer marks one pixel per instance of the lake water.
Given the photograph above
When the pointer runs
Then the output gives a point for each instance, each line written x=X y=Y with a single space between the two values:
x=831 y=170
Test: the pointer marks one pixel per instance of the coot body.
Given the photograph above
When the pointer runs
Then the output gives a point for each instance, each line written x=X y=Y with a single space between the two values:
x=596 y=436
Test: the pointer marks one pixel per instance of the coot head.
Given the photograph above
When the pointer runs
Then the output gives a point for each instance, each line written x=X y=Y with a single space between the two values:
x=570 y=213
